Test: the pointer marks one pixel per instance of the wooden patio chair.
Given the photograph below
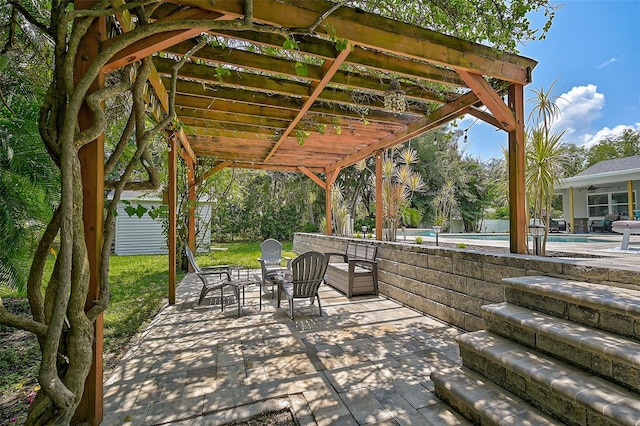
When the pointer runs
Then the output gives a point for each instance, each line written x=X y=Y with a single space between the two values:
x=212 y=277
x=272 y=262
x=307 y=272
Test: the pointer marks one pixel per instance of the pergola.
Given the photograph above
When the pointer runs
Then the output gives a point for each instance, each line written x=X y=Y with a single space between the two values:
x=347 y=86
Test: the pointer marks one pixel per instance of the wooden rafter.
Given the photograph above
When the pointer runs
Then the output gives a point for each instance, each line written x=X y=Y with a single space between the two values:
x=158 y=42
x=330 y=67
x=242 y=103
x=127 y=24
x=285 y=67
x=215 y=169
x=484 y=116
x=312 y=176
x=184 y=141
x=437 y=118
x=262 y=90
x=491 y=99
x=379 y=33
x=359 y=57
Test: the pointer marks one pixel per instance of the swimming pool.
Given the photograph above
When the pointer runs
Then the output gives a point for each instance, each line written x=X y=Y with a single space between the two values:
x=553 y=238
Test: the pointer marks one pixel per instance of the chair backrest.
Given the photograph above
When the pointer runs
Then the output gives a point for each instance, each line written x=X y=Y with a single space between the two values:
x=192 y=260
x=361 y=251
x=271 y=251
x=308 y=272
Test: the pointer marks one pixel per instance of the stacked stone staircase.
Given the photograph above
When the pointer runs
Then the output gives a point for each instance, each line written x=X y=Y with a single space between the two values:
x=556 y=352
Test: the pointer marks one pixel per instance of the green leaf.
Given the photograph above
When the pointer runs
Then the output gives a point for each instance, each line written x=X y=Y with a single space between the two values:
x=140 y=211
x=130 y=210
x=301 y=69
x=222 y=72
x=4 y=61
x=290 y=44
x=342 y=44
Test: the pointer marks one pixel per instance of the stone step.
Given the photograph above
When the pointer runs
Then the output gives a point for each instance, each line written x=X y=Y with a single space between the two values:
x=567 y=393
x=609 y=355
x=483 y=402
x=600 y=306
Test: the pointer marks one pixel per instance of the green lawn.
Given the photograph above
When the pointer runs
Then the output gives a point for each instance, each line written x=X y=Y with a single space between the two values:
x=139 y=286
x=243 y=254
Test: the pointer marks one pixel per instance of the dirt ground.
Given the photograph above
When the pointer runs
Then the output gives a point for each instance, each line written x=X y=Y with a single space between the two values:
x=275 y=418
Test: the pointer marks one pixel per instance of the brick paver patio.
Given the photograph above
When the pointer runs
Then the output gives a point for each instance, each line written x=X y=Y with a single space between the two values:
x=365 y=361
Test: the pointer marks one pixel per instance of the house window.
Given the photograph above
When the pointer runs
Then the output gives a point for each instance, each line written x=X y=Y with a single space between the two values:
x=620 y=203
x=603 y=204
x=598 y=204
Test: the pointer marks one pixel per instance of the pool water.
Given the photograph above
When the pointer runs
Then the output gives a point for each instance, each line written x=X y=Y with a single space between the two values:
x=505 y=237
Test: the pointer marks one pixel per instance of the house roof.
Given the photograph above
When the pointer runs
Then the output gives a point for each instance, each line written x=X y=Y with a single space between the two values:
x=613 y=171
x=614 y=165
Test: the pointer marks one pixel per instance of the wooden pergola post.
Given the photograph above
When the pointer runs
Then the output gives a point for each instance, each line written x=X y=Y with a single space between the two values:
x=191 y=227
x=517 y=210
x=172 y=190
x=91 y=408
x=379 y=207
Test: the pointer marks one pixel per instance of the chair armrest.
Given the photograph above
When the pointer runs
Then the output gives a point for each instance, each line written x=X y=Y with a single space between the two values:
x=344 y=257
x=219 y=271
x=361 y=259
x=370 y=263
x=288 y=259
x=215 y=268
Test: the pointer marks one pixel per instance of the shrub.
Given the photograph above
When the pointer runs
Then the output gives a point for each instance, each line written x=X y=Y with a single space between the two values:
x=310 y=227
x=418 y=239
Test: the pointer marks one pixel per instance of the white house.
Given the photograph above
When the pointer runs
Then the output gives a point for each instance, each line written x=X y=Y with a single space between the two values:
x=608 y=187
x=143 y=235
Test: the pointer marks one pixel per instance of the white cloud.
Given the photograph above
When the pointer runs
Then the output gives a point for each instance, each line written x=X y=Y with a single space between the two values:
x=606 y=63
x=606 y=132
x=578 y=109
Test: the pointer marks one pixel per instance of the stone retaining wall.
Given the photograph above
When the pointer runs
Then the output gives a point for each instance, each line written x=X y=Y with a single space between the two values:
x=452 y=284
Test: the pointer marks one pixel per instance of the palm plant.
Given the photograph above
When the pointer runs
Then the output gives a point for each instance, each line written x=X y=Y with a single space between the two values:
x=28 y=189
x=399 y=183
x=339 y=211
x=445 y=203
x=545 y=159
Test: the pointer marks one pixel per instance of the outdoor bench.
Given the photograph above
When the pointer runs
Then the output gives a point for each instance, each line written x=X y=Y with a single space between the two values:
x=356 y=272
x=604 y=225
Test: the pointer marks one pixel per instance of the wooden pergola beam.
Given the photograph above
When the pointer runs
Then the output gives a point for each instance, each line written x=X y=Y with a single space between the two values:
x=437 y=118
x=272 y=167
x=184 y=141
x=227 y=120
x=383 y=34
x=491 y=99
x=312 y=176
x=330 y=67
x=380 y=61
x=215 y=169
x=286 y=67
x=158 y=42
x=484 y=116
x=128 y=24
x=267 y=90
x=91 y=157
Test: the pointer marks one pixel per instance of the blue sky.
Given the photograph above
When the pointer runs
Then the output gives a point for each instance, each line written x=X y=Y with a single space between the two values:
x=593 y=51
